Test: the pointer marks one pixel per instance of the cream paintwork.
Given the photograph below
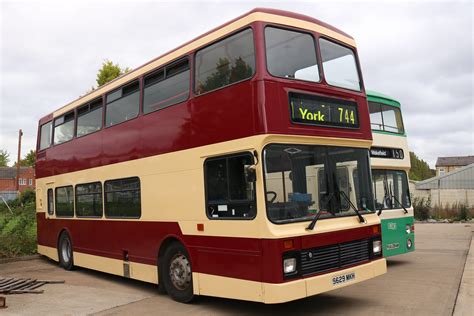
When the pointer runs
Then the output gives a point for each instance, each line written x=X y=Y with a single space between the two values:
x=219 y=286
x=200 y=42
x=172 y=189
x=49 y=252
x=392 y=141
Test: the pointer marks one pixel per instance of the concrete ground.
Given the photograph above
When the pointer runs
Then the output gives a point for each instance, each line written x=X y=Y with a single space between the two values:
x=428 y=281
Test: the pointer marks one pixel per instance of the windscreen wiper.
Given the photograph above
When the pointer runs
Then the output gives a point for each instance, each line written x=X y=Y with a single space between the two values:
x=361 y=218
x=318 y=214
x=390 y=194
x=396 y=200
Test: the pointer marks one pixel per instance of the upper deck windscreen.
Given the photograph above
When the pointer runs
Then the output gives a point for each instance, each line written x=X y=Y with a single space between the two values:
x=386 y=118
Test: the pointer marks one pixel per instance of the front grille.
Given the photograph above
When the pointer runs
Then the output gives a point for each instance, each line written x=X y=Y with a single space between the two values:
x=335 y=256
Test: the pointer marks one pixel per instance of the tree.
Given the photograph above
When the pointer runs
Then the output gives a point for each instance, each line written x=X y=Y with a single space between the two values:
x=4 y=158
x=109 y=72
x=420 y=170
x=29 y=160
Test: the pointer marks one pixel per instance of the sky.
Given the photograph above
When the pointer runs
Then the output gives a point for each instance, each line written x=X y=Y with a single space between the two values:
x=420 y=52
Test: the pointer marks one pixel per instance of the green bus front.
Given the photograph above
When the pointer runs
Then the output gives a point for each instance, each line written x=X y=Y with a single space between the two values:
x=390 y=162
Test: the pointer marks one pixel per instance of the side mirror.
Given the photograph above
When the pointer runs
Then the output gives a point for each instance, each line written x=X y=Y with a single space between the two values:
x=250 y=173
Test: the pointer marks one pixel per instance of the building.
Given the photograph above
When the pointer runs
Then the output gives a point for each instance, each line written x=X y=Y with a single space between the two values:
x=448 y=164
x=8 y=181
x=454 y=187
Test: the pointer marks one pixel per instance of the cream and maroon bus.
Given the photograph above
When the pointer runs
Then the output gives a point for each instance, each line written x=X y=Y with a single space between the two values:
x=390 y=160
x=213 y=169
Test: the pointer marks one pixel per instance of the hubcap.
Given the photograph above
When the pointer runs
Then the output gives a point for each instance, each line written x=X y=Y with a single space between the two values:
x=66 y=250
x=180 y=271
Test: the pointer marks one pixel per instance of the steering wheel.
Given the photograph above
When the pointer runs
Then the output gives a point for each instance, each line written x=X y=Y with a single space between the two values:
x=274 y=196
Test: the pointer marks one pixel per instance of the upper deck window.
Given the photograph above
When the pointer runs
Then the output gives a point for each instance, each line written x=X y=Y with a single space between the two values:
x=291 y=54
x=122 y=104
x=225 y=62
x=46 y=134
x=89 y=118
x=167 y=86
x=339 y=65
x=64 y=128
x=386 y=118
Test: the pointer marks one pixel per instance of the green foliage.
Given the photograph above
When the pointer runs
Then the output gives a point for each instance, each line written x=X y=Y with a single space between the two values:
x=463 y=213
x=29 y=160
x=422 y=208
x=28 y=196
x=109 y=72
x=420 y=170
x=18 y=230
x=4 y=158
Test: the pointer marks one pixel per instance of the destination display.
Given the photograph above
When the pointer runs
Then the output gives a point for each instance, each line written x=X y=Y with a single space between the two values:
x=315 y=110
x=390 y=153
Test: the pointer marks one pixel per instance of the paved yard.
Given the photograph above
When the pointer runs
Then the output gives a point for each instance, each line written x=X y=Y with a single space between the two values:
x=425 y=282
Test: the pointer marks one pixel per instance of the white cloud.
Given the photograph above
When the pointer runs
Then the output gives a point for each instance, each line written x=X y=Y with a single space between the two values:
x=419 y=53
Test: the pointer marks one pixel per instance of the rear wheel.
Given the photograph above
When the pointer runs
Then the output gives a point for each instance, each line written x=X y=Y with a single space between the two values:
x=177 y=273
x=65 y=252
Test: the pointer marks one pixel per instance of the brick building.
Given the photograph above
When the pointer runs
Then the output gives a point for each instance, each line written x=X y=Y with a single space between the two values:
x=8 y=181
x=445 y=165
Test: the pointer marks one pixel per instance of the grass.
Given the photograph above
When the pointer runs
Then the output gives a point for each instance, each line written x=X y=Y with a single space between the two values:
x=18 y=230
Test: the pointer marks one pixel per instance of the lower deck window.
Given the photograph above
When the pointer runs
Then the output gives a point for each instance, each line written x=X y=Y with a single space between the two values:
x=228 y=194
x=122 y=198
x=89 y=200
x=64 y=201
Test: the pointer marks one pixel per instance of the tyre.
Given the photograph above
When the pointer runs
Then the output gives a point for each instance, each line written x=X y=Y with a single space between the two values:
x=177 y=273
x=65 y=254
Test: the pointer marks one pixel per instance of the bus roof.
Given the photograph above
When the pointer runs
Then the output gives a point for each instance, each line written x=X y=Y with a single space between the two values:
x=257 y=14
x=375 y=96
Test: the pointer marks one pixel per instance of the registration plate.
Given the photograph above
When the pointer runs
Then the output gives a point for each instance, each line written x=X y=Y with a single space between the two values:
x=343 y=278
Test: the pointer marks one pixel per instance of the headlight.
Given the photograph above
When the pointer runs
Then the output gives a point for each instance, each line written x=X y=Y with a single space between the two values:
x=408 y=228
x=289 y=265
x=376 y=247
x=409 y=244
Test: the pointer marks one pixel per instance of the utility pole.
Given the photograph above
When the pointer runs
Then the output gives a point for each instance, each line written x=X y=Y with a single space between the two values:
x=20 y=133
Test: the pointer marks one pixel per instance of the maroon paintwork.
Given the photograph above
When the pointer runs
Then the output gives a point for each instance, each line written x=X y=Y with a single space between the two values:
x=243 y=258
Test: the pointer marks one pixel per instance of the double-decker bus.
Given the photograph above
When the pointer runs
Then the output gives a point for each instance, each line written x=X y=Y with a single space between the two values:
x=390 y=161
x=215 y=168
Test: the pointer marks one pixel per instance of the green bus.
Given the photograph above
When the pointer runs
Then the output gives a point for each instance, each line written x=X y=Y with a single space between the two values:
x=390 y=162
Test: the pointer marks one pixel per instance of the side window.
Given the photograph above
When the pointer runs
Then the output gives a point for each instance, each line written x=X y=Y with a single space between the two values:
x=228 y=194
x=89 y=200
x=122 y=104
x=64 y=202
x=376 y=120
x=167 y=86
x=225 y=62
x=89 y=118
x=64 y=128
x=122 y=198
x=46 y=133
x=50 y=202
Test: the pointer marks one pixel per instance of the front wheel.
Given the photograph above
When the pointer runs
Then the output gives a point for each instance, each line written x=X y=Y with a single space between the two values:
x=178 y=276
x=65 y=252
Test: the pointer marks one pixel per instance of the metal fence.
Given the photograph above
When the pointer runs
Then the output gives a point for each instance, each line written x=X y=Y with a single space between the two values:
x=8 y=195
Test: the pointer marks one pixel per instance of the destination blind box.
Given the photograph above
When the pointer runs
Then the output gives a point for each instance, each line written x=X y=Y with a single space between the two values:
x=322 y=111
